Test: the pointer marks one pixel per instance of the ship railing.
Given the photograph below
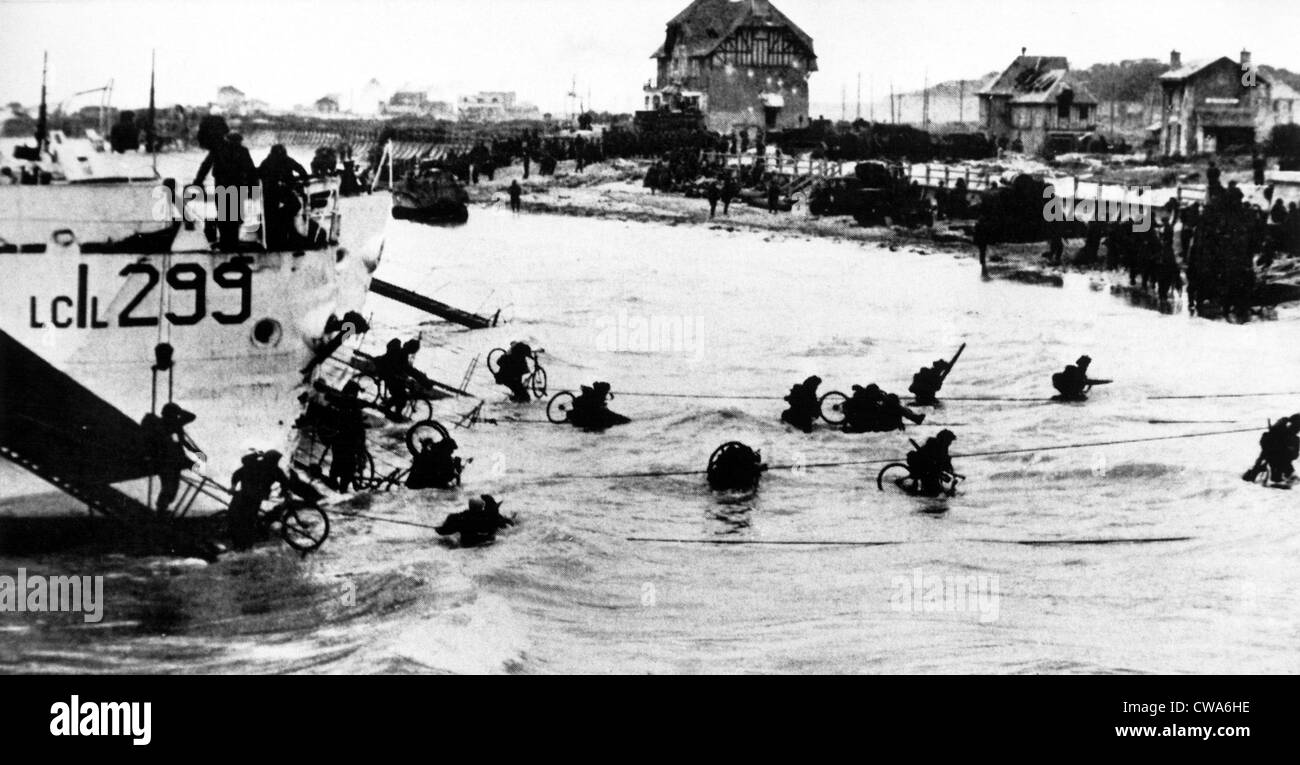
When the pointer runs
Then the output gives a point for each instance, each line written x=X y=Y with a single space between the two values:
x=319 y=205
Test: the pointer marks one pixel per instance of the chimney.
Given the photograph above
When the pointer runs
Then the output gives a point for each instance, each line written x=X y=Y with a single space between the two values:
x=1022 y=51
x=1245 y=57
x=1175 y=60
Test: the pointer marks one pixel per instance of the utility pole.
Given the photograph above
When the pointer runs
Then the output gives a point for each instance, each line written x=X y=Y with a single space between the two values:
x=859 y=117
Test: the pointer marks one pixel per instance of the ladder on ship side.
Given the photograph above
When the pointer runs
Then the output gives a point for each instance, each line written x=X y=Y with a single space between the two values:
x=116 y=506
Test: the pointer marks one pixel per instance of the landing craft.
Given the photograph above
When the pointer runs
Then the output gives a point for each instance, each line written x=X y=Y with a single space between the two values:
x=96 y=285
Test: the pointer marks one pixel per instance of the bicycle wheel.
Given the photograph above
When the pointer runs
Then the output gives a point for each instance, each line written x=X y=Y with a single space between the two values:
x=494 y=360
x=365 y=477
x=422 y=430
x=558 y=410
x=418 y=409
x=880 y=477
x=538 y=383
x=305 y=529
x=832 y=407
x=372 y=389
x=730 y=467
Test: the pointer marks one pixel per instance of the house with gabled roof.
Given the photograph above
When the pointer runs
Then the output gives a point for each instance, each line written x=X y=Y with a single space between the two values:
x=1035 y=104
x=740 y=63
x=1213 y=105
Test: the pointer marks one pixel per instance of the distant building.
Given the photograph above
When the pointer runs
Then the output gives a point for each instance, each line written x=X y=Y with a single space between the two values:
x=327 y=105
x=232 y=102
x=371 y=99
x=1286 y=104
x=495 y=106
x=1038 y=102
x=1212 y=105
x=740 y=64
x=407 y=103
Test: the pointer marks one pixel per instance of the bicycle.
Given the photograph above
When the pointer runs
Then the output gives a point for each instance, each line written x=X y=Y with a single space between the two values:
x=734 y=467
x=831 y=406
x=374 y=392
x=303 y=525
x=535 y=380
x=911 y=483
x=422 y=431
x=444 y=474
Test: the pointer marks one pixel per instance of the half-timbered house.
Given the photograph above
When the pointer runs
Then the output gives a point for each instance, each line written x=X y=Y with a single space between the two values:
x=741 y=63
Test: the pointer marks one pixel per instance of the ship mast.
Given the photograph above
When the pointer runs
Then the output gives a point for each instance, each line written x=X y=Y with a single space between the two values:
x=42 y=122
x=150 y=134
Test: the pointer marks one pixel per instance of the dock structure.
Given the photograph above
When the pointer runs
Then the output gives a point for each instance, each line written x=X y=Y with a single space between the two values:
x=977 y=178
x=429 y=305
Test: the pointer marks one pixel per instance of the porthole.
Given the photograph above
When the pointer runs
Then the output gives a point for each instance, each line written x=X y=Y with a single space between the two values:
x=267 y=333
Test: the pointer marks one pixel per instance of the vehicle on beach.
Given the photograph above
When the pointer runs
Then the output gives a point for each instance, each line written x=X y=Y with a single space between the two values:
x=873 y=195
x=431 y=195
x=1014 y=214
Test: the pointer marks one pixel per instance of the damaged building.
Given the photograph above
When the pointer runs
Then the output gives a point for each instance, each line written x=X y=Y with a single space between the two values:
x=1036 y=104
x=739 y=64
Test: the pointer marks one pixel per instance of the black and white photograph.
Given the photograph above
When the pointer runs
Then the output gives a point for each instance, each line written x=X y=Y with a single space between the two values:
x=650 y=337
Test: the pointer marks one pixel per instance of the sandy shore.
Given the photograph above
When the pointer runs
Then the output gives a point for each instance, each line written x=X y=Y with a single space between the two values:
x=614 y=191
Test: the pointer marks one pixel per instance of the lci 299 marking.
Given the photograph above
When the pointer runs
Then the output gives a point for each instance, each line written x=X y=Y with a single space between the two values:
x=82 y=312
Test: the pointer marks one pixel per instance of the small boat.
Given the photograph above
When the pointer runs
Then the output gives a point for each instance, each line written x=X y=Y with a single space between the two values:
x=431 y=195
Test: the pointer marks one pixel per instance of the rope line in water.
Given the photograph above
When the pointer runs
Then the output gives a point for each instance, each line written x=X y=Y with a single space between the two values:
x=1225 y=395
x=383 y=520
x=884 y=543
x=846 y=463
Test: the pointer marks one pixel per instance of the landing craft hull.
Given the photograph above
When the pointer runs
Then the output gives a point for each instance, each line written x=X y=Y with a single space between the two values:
x=242 y=325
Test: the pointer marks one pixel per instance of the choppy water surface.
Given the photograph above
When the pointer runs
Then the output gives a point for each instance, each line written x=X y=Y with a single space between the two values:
x=749 y=314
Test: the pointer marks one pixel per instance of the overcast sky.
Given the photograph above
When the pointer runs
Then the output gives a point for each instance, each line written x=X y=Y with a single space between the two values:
x=291 y=52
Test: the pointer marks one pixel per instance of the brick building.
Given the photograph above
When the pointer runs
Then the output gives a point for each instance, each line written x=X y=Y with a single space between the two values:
x=741 y=63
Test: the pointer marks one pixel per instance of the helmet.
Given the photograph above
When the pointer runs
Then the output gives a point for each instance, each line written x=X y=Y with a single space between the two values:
x=394 y=344
x=813 y=381
x=601 y=387
x=941 y=364
x=1083 y=361
x=352 y=388
x=947 y=436
x=411 y=346
x=273 y=457
x=476 y=504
